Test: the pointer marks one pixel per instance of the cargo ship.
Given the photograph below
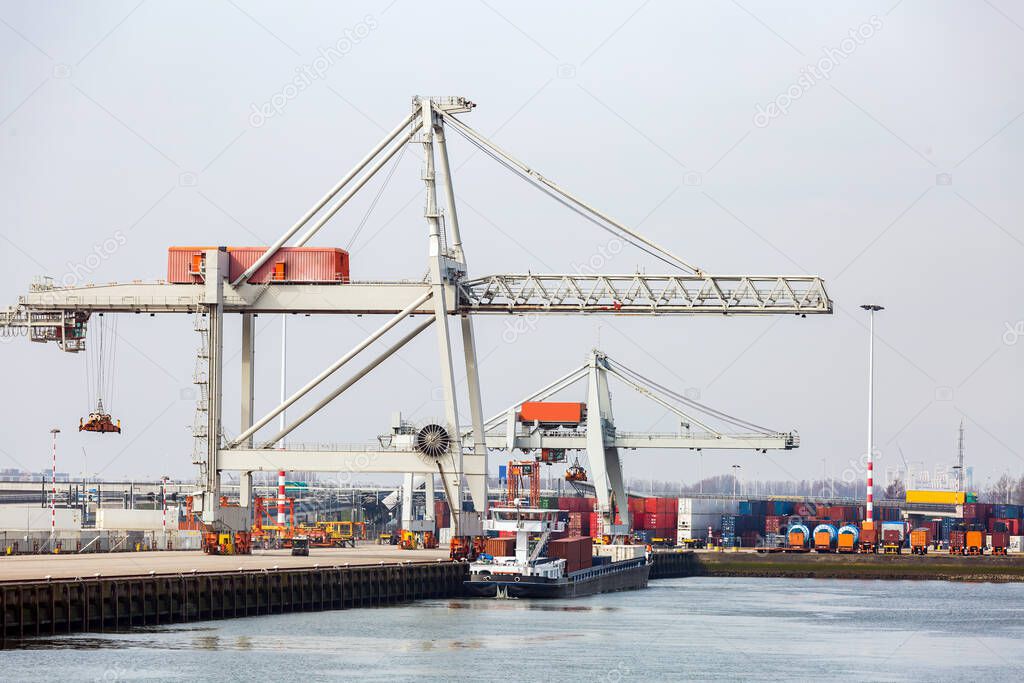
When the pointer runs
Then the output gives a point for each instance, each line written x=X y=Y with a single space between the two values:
x=568 y=569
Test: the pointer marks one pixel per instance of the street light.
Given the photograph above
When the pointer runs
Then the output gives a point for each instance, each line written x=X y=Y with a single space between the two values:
x=735 y=476
x=869 y=490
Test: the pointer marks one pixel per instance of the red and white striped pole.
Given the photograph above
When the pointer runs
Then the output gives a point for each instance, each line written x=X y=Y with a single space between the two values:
x=281 y=517
x=869 y=521
x=163 y=502
x=53 y=487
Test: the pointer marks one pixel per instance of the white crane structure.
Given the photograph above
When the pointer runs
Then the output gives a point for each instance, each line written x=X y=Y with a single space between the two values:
x=448 y=300
x=700 y=427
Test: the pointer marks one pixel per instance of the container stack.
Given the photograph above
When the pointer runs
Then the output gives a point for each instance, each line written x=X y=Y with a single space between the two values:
x=577 y=551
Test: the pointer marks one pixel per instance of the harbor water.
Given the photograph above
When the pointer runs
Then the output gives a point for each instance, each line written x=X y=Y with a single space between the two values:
x=693 y=629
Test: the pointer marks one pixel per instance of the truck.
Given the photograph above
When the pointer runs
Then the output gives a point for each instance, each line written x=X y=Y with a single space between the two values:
x=1000 y=542
x=974 y=542
x=824 y=538
x=848 y=540
x=892 y=544
x=869 y=540
x=919 y=541
x=300 y=546
x=957 y=541
x=797 y=538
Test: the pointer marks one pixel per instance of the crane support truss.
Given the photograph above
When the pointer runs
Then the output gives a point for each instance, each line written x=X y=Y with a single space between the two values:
x=60 y=314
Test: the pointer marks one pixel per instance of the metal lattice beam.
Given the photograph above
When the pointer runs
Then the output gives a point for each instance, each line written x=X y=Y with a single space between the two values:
x=644 y=294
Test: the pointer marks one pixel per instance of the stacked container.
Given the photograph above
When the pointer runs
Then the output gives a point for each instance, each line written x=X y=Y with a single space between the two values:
x=577 y=551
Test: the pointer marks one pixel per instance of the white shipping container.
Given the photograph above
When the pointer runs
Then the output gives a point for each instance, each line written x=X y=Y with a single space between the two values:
x=186 y=540
x=1016 y=544
x=706 y=506
x=696 y=526
x=38 y=519
x=132 y=520
x=618 y=553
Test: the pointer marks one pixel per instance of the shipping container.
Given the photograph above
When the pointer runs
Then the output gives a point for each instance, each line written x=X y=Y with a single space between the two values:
x=550 y=412
x=618 y=553
x=936 y=497
x=974 y=542
x=999 y=541
x=920 y=539
x=577 y=552
x=704 y=506
x=187 y=265
x=38 y=519
x=500 y=547
x=133 y=520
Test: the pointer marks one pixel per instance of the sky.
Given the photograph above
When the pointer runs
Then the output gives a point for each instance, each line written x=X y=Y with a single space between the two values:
x=875 y=144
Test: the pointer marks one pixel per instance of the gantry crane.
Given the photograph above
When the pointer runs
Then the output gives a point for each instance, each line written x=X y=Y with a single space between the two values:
x=595 y=432
x=50 y=313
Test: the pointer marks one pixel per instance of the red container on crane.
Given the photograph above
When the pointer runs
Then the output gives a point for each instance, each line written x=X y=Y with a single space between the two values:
x=187 y=265
x=549 y=412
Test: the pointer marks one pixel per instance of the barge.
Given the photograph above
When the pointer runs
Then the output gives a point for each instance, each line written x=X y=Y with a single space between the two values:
x=530 y=574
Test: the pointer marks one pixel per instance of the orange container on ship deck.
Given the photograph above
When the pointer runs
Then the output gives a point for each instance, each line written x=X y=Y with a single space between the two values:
x=187 y=265
x=500 y=547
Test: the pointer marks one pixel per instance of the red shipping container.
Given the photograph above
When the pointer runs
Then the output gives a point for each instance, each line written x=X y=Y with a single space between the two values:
x=552 y=412
x=185 y=265
x=1012 y=525
x=651 y=505
x=500 y=547
x=576 y=551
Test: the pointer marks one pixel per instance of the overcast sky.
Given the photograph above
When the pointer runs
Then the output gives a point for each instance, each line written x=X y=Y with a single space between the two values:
x=876 y=144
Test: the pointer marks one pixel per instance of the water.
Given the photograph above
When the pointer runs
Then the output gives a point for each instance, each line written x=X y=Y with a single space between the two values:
x=695 y=629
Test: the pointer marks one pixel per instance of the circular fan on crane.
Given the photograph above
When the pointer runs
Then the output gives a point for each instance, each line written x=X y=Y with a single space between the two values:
x=432 y=440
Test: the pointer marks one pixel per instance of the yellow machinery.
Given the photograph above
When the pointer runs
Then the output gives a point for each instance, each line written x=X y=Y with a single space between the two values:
x=342 y=534
x=217 y=543
x=407 y=541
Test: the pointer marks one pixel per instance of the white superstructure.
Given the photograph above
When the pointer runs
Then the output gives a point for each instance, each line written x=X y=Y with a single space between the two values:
x=524 y=522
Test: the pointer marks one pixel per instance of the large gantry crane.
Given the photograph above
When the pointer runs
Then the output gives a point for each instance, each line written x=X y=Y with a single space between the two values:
x=449 y=298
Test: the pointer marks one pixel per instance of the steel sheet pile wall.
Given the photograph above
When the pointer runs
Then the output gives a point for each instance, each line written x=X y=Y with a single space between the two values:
x=120 y=603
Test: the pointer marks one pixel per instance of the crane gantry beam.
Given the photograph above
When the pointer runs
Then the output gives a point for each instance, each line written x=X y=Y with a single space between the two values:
x=493 y=294
x=60 y=314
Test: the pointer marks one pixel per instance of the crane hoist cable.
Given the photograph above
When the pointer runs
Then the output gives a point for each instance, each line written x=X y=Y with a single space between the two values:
x=588 y=215
x=708 y=410
x=373 y=204
x=103 y=365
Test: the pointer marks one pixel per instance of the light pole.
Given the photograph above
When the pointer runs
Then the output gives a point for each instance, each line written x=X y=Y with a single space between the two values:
x=735 y=477
x=53 y=489
x=869 y=522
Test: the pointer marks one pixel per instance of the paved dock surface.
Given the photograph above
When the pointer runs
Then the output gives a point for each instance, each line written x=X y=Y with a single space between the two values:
x=35 y=567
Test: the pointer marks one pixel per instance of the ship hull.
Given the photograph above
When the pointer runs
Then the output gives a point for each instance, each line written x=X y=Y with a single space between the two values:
x=619 y=576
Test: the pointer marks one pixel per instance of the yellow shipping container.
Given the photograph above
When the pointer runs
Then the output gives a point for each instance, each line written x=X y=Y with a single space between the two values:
x=939 y=497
